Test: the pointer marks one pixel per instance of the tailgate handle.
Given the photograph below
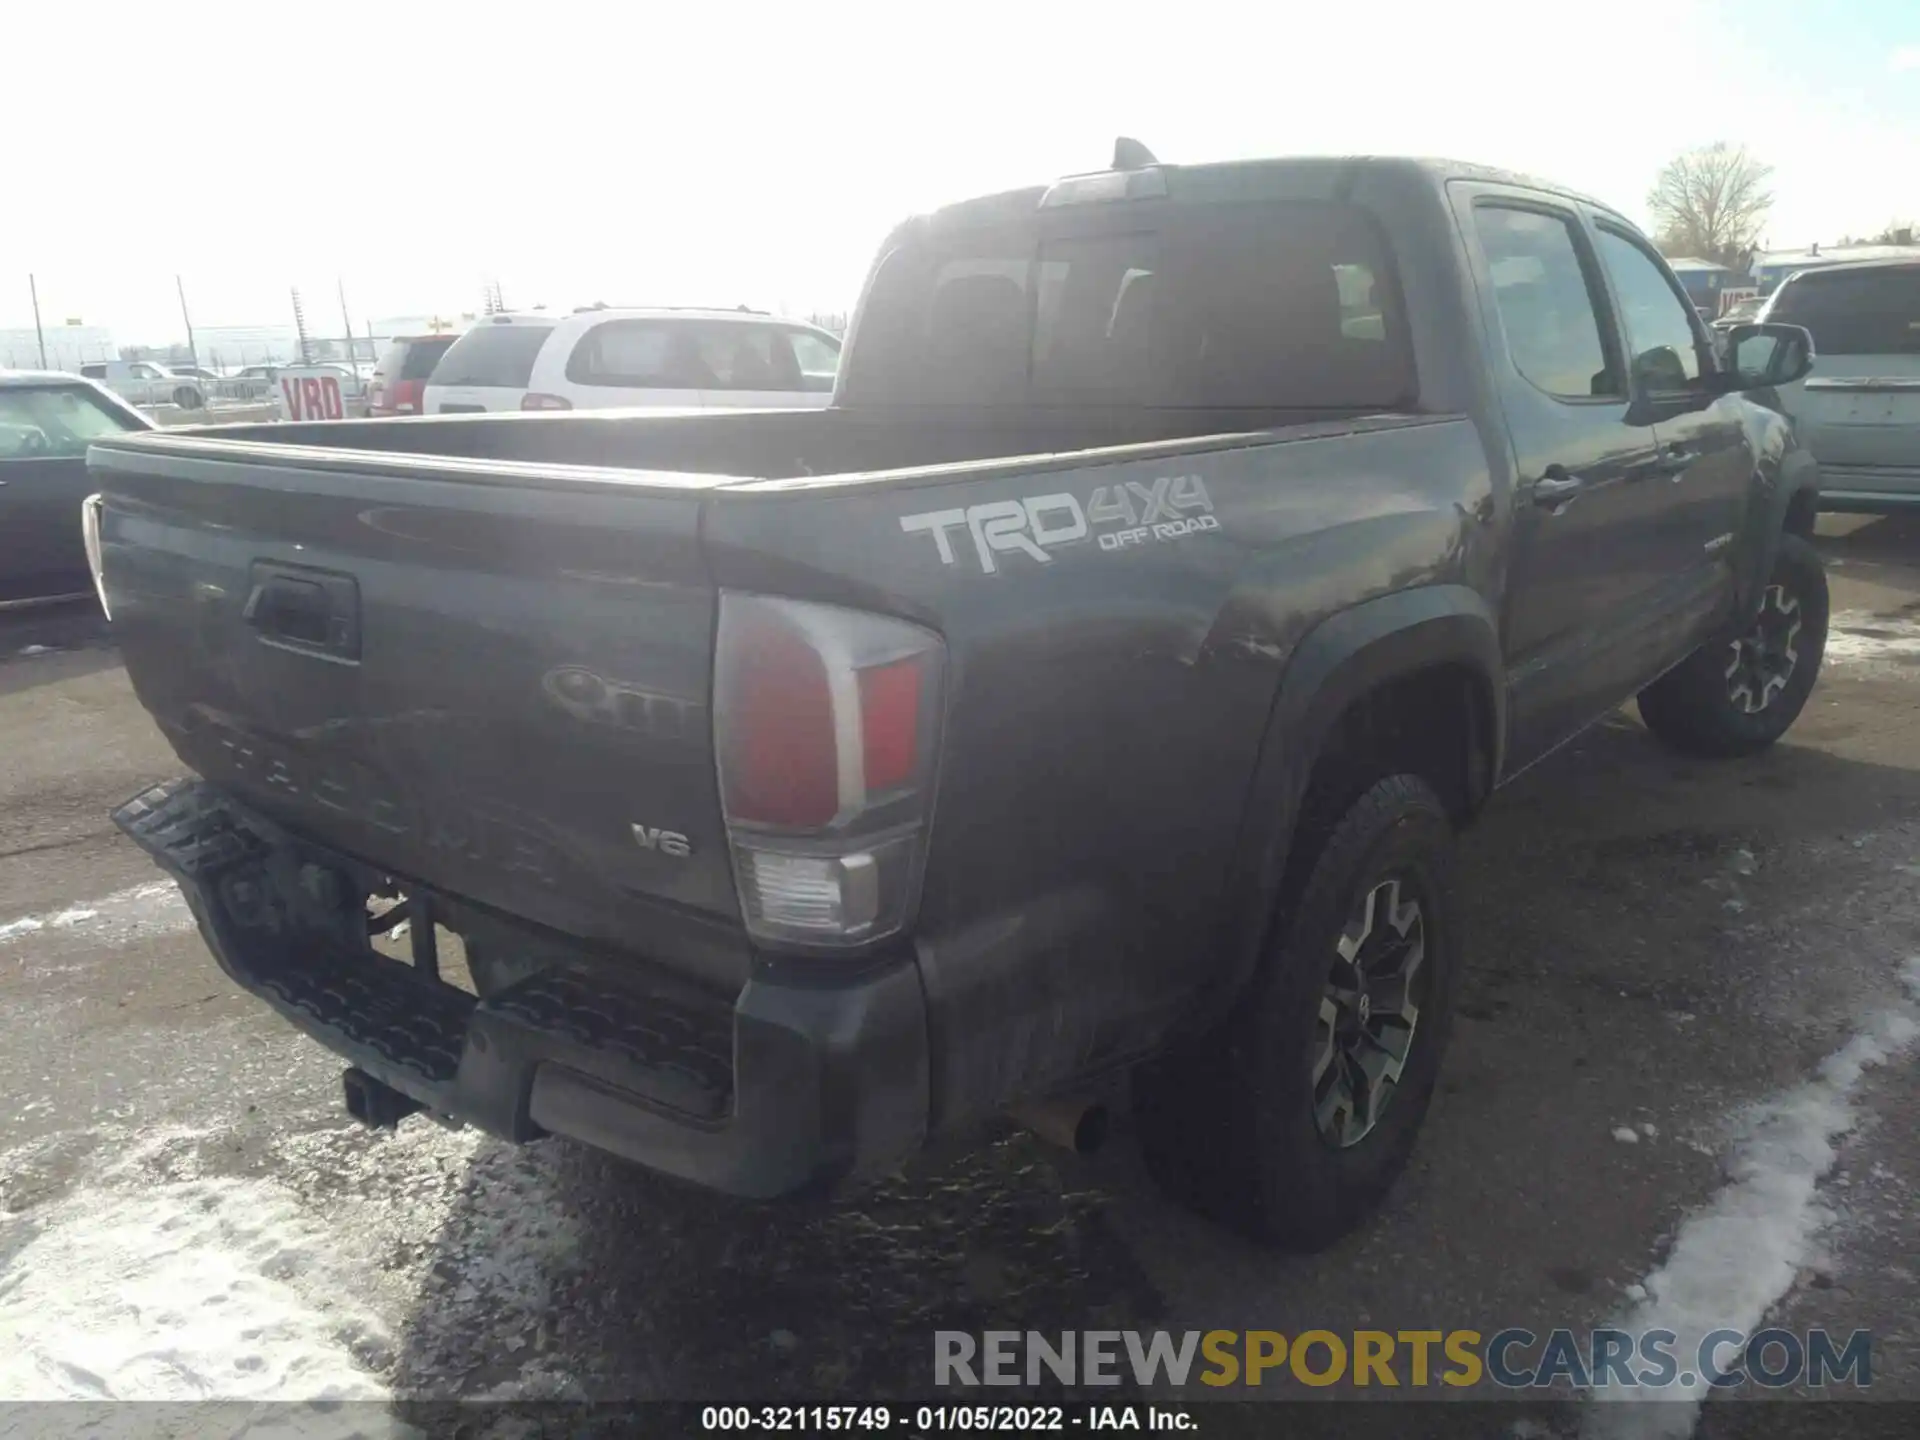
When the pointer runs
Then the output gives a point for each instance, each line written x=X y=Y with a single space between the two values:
x=313 y=611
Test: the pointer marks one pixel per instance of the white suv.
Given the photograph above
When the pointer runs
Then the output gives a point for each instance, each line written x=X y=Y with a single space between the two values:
x=599 y=358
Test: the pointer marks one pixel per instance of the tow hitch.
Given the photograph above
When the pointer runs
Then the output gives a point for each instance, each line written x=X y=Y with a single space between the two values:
x=375 y=1103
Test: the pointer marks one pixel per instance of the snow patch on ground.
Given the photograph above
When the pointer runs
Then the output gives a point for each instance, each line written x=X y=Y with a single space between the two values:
x=468 y=1237
x=1856 y=637
x=355 y=1269
x=1740 y=1253
x=138 y=913
x=213 y=1288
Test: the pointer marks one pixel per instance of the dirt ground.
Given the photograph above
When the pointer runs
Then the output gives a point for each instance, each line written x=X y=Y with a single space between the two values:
x=1657 y=945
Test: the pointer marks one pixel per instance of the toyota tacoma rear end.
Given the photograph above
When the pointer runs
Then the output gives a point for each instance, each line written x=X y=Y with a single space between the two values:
x=1090 y=693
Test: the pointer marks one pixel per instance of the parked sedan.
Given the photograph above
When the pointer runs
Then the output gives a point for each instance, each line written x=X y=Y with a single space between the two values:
x=47 y=420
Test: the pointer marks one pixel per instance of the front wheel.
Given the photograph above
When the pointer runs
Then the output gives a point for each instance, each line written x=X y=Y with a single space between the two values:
x=1292 y=1123
x=1739 y=694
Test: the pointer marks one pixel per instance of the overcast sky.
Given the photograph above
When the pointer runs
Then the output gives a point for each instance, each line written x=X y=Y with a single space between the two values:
x=747 y=153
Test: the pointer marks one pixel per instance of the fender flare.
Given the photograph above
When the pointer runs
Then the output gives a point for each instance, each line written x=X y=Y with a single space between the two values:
x=1793 y=480
x=1348 y=654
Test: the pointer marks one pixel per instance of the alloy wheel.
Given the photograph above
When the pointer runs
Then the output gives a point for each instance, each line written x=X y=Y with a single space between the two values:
x=1369 y=1011
x=1762 y=661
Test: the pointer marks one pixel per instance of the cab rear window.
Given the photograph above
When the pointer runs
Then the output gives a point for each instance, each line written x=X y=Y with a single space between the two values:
x=1267 y=306
x=499 y=355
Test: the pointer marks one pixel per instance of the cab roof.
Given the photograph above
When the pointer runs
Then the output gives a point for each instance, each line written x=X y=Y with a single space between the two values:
x=1278 y=178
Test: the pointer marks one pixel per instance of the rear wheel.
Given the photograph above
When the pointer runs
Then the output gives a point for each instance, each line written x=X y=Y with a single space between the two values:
x=1739 y=694
x=188 y=398
x=1293 y=1122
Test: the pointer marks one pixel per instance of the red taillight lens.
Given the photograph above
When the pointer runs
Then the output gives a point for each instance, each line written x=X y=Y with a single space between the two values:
x=783 y=763
x=825 y=726
x=890 y=723
x=536 y=400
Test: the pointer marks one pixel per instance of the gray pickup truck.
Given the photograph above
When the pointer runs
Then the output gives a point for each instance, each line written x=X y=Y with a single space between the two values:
x=1090 y=694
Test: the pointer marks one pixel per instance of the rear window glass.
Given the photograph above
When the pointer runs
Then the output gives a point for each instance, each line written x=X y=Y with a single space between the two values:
x=1281 y=306
x=1859 y=312
x=490 y=354
x=418 y=357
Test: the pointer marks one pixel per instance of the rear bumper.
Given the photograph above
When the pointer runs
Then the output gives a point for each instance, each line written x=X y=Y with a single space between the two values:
x=788 y=1087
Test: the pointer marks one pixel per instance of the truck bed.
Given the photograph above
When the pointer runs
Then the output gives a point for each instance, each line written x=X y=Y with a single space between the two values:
x=487 y=672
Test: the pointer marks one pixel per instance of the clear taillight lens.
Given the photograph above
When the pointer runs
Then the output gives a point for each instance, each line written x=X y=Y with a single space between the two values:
x=90 y=511
x=826 y=726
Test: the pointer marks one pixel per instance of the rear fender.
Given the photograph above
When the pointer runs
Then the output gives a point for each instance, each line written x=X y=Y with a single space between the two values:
x=1341 y=660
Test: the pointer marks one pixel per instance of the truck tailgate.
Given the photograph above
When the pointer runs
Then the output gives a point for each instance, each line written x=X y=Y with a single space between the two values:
x=444 y=669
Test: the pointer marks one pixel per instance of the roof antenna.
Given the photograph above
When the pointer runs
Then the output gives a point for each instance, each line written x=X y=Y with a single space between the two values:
x=1129 y=154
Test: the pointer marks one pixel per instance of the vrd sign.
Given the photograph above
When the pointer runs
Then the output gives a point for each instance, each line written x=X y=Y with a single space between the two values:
x=310 y=396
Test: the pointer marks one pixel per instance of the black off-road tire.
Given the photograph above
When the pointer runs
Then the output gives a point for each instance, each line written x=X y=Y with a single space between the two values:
x=1229 y=1125
x=188 y=397
x=1705 y=706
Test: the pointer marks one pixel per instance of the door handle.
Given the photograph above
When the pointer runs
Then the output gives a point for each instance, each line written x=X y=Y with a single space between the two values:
x=1672 y=463
x=1557 y=486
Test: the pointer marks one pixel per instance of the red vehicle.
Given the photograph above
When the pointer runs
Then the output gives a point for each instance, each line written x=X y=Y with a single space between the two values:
x=400 y=379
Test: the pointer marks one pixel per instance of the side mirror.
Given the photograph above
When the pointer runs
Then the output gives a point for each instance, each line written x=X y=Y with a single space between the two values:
x=1766 y=356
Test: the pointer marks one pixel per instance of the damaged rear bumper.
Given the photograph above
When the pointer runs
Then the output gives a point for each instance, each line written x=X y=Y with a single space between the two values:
x=782 y=1088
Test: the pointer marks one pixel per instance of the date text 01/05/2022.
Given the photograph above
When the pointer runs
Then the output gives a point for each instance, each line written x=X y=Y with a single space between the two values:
x=921 y=1419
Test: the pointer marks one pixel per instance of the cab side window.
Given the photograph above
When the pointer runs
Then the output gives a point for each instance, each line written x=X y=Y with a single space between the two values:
x=53 y=423
x=1657 y=318
x=1546 y=305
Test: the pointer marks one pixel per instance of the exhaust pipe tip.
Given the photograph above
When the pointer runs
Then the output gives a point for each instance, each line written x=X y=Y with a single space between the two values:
x=1079 y=1125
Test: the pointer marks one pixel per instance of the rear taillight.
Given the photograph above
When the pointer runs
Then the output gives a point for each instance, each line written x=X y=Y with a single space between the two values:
x=826 y=730
x=90 y=512
x=535 y=400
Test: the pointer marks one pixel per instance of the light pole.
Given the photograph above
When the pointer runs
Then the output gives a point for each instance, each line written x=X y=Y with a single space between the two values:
x=193 y=350
x=38 y=334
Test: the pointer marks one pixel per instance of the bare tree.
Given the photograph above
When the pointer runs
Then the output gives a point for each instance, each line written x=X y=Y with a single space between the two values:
x=1712 y=202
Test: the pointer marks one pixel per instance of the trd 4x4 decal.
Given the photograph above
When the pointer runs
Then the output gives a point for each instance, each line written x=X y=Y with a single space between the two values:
x=1142 y=513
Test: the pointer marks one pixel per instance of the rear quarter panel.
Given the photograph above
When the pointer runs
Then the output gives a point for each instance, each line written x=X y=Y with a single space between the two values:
x=1107 y=703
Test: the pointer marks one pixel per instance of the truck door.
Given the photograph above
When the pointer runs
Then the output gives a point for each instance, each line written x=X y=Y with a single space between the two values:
x=1702 y=479
x=1583 y=585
